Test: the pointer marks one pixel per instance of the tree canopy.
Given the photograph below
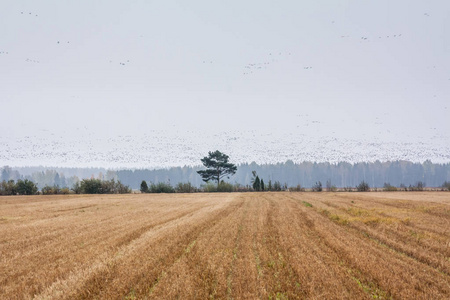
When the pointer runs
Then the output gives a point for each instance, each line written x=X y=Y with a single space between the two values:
x=26 y=187
x=217 y=167
x=144 y=187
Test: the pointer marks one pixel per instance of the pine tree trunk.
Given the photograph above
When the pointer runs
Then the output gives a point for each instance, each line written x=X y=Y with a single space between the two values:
x=218 y=179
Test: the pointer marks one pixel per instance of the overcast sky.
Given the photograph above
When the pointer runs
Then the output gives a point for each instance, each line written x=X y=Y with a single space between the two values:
x=127 y=67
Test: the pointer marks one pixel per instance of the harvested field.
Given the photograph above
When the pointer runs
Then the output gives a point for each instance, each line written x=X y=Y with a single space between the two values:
x=241 y=246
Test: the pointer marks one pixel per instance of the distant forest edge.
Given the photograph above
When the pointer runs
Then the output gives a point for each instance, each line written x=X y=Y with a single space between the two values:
x=305 y=174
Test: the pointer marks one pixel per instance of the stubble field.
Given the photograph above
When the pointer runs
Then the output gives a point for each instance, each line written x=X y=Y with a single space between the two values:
x=235 y=246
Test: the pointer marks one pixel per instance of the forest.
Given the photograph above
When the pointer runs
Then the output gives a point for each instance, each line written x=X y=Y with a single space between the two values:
x=289 y=173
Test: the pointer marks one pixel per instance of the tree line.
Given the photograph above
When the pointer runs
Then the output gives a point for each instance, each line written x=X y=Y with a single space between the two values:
x=306 y=174
x=218 y=167
x=288 y=175
x=62 y=177
x=85 y=186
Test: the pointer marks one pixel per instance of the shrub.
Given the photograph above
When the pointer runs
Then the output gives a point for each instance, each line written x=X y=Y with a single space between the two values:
x=77 y=188
x=91 y=186
x=269 y=187
x=8 y=188
x=277 y=186
x=120 y=188
x=185 y=188
x=51 y=190
x=97 y=186
x=241 y=188
x=65 y=191
x=317 y=187
x=161 y=187
x=389 y=188
x=209 y=187
x=297 y=188
x=224 y=187
x=26 y=187
x=446 y=186
x=363 y=187
x=330 y=187
x=417 y=187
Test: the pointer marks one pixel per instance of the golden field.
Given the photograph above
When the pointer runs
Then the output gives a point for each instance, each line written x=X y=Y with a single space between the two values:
x=226 y=246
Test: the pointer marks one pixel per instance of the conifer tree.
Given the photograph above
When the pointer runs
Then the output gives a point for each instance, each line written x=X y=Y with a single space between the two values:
x=257 y=184
x=144 y=187
x=217 y=167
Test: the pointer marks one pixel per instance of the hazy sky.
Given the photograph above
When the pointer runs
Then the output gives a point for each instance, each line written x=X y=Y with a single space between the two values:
x=109 y=67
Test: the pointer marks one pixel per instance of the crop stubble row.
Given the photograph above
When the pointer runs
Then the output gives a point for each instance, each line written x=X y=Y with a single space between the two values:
x=252 y=245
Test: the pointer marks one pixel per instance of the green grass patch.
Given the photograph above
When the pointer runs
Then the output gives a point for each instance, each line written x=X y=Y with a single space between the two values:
x=338 y=219
x=189 y=247
x=307 y=204
x=371 y=289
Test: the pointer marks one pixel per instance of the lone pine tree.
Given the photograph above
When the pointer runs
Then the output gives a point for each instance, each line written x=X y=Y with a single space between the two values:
x=217 y=167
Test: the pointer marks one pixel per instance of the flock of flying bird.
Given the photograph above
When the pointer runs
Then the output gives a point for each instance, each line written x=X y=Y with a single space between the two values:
x=31 y=14
x=271 y=59
x=28 y=60
x=248 y=69
x=253 y=67
x=32 y=61
x=163 y=148
x=121 y=63
x=365 y=38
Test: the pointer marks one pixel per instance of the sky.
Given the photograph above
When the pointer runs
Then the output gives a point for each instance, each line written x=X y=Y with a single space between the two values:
x=345 y=69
